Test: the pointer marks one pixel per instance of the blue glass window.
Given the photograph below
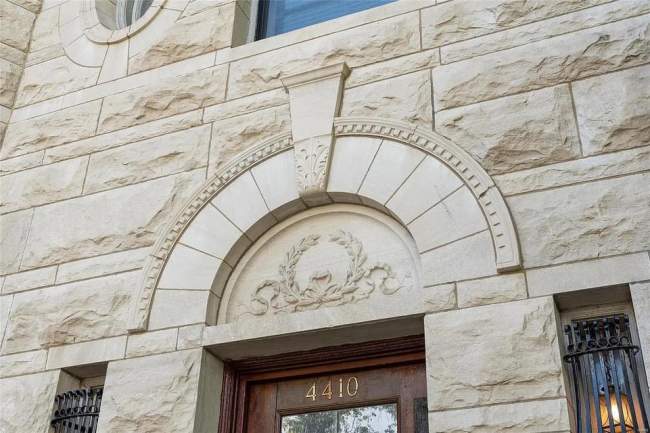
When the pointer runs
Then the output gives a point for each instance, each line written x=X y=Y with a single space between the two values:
x=281 y=16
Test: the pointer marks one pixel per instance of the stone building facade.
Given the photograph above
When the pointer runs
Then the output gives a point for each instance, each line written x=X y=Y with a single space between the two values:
x=176 y=196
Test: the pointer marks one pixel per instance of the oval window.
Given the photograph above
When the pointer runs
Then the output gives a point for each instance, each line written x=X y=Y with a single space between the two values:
x=117 y=14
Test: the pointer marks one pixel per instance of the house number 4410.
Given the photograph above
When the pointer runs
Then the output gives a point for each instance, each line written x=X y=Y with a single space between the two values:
x=342 y=387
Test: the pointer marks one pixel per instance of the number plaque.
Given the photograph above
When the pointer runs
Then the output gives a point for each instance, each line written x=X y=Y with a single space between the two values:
x=346 y=387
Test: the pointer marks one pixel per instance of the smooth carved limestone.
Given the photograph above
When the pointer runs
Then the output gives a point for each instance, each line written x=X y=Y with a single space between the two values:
x=407 y=98
x=27 y=402
x=53 y=78
x=14 y=229
x=121 y=261
x=23 y=363
x=641 y=301
x=157 y=157
x=50 y=130
x=163 y=98
x=16 y=25
x=42 y=185
x=188 y=37
x=493 y=354
x=613 y=110
x=120 y=219
x=85 y=353
x=161 y=393
x=455 y=21
x=151 y=343
x=29 y=280
x=46 y=30
x=70 y=313
x=545 y=63
x=357 y=46
x=542 y=416
x=9 y=79
x=333 y=256
x=515 y=132
x=583 y=221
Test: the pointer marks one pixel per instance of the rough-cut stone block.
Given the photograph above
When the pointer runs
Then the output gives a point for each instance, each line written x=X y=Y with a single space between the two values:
x=407 y=98
x=614 y=110
x=46 y=30
x=42 y=185
x=152 y=394
x=50 y=130
x=30 y=5
x=357 y=46
x=23 y=363
x=19 y=163
x=163 y=98
x=439 y=298
x=5 y=307
x=189 y=337
x=29 y=280
x=120 y=219
x=543 y=416
x=545 y=63
x=179 y=307
x=607 y=271
x=156 y=157
x=245 y=105
x=393 y=68
x=502 y=288
x=9 y=79
x=70 y=313
x=493 y=354
x=235 y=135
x=570 y=172
x=27 y=402
x=583 y=221
x=11 y=54
x=89 y=352
x=14 y=229
x=121 y=261
x=16 y=25
x=188 y=37
x=151 y=343
x=455 y=21
x=53 y=78
x=641 y=302
x=129 y=135
x=515 y=132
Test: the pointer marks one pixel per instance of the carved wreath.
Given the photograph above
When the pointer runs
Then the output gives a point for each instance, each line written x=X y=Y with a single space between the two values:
x=284 y=294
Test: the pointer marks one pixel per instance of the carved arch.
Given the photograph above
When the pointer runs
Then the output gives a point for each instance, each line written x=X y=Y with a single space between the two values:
x=492 y=204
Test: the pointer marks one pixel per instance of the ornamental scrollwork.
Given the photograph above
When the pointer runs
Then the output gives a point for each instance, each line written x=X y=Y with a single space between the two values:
x=284 y=294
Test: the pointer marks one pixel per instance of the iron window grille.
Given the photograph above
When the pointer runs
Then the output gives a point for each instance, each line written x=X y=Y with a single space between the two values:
x=604 y=375
x=77 y=411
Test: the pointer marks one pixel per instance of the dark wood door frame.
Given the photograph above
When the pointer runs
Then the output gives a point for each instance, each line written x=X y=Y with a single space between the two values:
x=240 y=374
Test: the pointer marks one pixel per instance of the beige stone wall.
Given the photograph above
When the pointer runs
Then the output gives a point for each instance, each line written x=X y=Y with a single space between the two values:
x=105 y=143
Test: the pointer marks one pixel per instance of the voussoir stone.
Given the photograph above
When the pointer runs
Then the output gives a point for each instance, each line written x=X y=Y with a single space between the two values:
x=27 y=402
x=119 y=219
x=188 y=37
x=70 y=313
x=613 y=110
x=583 y=221
x=164 y=98
x=16 y=25
x=9 y=79
x=50 y=130
x=515 y=132
x=545 y=63
x=493 y=354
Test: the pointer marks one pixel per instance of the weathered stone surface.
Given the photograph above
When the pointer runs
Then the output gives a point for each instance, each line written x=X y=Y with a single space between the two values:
x=120 y=219
x=455 y=21
x=27 y=402
x=46 y=30
x=515 y=132
x=543 y=416
x=156 y=157
x=29 y=280
x=237 y=134
x=50 y=130
x=188 y=37
x=189 y=337
x=102 y=265
x=580 y=170
x=439 y=298
x=583 y=221
x=540 y=30
x=164 y=98
x=42 y=185
x=16 y=25
x=614 y=110
x=22 y=363
x=45 y=54
x=11 y=54
x=31 y=5
x=9 y=79
x=14 y=229
x=545 y=63
x=151 y=343
x=124 y=136
x=514 y=354
x=357 y=46
x=53 y=78
x=245 y=105
x=502 y=288
x=152 y=394
x=70 y=313
x=5 y=308
x=407 y=98
x=393 y=68
x=88 y=352
x=641 y=302
x=22 y=162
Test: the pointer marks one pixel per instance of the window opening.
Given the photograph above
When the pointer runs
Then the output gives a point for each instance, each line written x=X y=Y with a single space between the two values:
x=117 y=14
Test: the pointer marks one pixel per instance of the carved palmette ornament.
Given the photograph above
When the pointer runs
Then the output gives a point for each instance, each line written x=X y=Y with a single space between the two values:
x=312 y=160
x=284 y=294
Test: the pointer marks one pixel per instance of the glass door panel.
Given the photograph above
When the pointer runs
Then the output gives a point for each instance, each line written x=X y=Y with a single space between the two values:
x=368 y=419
